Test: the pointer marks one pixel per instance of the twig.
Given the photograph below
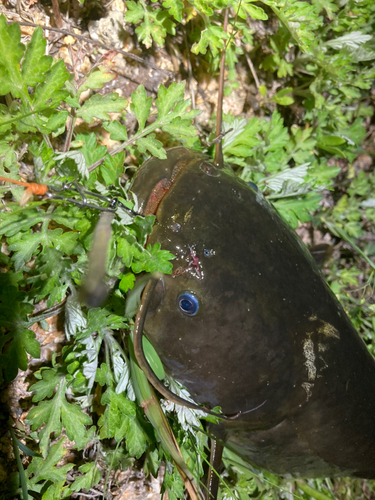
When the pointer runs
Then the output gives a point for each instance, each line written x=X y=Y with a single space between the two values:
x=129 y=55
x=252 y=69
x=56 y=13
x=219 y=112
x=190 y=71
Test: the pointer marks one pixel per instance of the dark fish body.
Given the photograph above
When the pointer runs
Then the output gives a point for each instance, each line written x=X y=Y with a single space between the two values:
x=269 y=338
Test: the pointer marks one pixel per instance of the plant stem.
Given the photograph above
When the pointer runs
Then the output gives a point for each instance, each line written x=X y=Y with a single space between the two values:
x=310 y=491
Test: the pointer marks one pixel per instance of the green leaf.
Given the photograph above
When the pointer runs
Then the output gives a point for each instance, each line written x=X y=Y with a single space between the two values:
x=180 y=128
x=241 y=140
x=157 y=260
x=152 y=145
x=46 y=469
x=112 y=168
x=49 y=91
x=294 y=210
x=175 y=8
x=25 y=248
x=299 y=18
x=46 y=387
x=153 y=358
x=140 y=106
x=54 y=414
x=282 y=97
x=75 y=421
x=127 y=282
x=35 y=63
x=23 y=341
x=53 y=274
x=11 y=51
x=99 y=107
x=253 y=10
x=213 y=37
x=90 y=149
x=118 y=132
x=136 y=439
x=96 y=79
x=72 y=164
x=134 y=13
x=168 y=97
x=91 y=477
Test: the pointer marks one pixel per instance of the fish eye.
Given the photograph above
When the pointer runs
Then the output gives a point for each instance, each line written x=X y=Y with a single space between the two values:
x=188 y=303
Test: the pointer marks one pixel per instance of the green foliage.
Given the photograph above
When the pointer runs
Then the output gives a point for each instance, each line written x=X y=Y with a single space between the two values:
x=321 y=56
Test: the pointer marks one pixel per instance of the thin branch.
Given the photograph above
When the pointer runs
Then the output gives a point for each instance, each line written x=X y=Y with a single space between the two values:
x=57 y=13
x=129 y=55
x=252 y=69
x=219 y=112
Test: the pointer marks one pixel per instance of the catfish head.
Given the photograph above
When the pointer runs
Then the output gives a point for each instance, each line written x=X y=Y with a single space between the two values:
x=246 y=322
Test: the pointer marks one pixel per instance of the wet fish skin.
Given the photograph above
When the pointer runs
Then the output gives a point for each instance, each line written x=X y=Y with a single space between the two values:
x=269 y=333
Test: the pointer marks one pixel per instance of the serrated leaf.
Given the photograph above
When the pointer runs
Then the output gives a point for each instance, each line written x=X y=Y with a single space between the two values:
x=242 y=139
x=180 y=128
x=141 y=105
x=46 y=387
x=46 y=469
x=90 y=149
x=213 y=37
x=96 y=79
x=157 y=260
x=253 y=10
x=136 y=439
x=13 y=223
x=351 y=40
x=75 y=421
x=35 y=63
x=127 y=282
x=56 y=121
x=54 y=414
x=175 y=8
x=12 y=51
x=25 y=248
x=134 y=13
x=99 y=107
x=54 y=271
x=275 y=132
x=169 y=97
x=118 y=132
x=294 y=210
x=50 y=91
x=297 y=175
x=152 y=145
x=112 y=168
x=79 y=162
x=91 y=476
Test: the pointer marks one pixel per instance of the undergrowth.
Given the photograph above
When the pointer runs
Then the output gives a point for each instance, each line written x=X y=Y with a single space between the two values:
x=321 y=54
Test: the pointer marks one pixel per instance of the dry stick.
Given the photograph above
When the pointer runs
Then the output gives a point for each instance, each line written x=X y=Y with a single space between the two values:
x=252 y=69
x=218 y=148
x=170 y=74
x=56 y=13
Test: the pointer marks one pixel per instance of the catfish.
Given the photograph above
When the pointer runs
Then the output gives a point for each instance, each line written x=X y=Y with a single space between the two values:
x=247 y=322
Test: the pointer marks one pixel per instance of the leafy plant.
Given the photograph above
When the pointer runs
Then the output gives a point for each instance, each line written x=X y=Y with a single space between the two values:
x=320 y=55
